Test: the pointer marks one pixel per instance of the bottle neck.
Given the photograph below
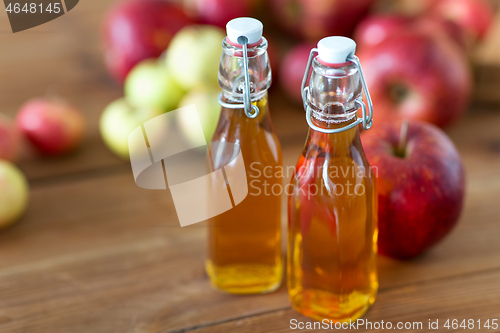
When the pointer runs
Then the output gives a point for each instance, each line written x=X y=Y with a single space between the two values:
x=232 y=75
x=261 y=103
x=333 y=90
x=234 y=125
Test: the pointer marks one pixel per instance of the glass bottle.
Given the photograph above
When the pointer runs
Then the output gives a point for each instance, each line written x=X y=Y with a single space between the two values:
x=244 y=243
x=332 y=231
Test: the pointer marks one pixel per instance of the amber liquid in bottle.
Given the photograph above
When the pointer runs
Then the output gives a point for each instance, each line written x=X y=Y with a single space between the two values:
x=244 y=243
x=332 y=233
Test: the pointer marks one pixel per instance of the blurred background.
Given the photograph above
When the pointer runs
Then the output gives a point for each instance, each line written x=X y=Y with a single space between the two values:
x=83 y=249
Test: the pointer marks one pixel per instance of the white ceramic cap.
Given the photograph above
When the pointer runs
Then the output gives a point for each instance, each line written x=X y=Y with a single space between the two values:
x=336 y=50
x=244 y=26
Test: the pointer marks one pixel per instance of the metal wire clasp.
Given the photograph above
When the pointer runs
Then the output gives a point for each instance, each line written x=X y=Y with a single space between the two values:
x=367 y=117
x=251 y=111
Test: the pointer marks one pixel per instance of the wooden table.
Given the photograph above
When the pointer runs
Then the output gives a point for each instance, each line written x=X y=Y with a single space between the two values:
x=95 y=253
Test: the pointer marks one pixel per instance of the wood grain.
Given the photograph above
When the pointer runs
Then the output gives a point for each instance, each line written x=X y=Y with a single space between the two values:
x=101 y=255
x=463 y=298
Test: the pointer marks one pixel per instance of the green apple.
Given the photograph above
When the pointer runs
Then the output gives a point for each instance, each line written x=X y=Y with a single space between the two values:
x=150 y=84
x=208 y=112
x=193 y=56
x=118 y=120
x=14 y=193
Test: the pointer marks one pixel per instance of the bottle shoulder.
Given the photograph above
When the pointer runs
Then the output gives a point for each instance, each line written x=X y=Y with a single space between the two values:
x=255 y=137
x=333 y=161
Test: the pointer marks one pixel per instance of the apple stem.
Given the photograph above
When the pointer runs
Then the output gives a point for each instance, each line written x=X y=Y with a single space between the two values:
x=403 y=136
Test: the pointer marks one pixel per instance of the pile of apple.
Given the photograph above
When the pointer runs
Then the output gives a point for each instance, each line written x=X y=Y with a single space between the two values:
x=167 y=54
x=165 y=61
x=418 y=72
x=52 y=127
x=415 y=57
x=416 y=60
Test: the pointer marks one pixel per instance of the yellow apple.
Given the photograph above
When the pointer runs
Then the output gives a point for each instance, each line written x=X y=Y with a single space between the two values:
x=150 y=84
x=194 y=54
x=14 y=193
x=118 y=120
x=208 y=109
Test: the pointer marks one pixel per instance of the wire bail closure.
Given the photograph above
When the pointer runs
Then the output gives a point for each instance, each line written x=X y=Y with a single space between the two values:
x=367 y=117
x=251 y=111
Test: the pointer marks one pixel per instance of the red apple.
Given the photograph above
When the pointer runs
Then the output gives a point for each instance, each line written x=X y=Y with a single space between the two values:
x=10 y=139
x=217 y=12
x=439 y=27
x=292 y=70
x=274 y=54
x=375 y=29
x=407 y=7
x=474 y=16
x=315 y=19
x=139 y=29
x=53 y=125
x=420 y=184
x=418 y=76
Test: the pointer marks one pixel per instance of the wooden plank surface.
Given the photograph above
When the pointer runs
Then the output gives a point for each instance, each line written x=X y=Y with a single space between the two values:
x=100 y=255
x=94 y=253
x=464 y=298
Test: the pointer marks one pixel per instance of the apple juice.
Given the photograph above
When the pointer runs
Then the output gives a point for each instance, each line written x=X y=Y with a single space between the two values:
x=244 y=243
x=332 y=209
